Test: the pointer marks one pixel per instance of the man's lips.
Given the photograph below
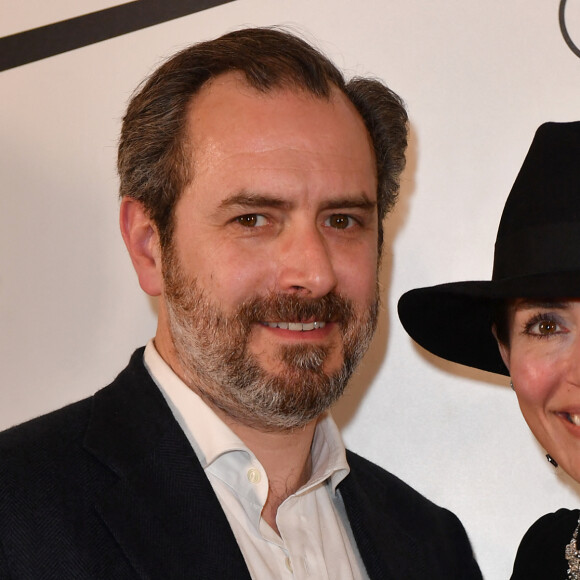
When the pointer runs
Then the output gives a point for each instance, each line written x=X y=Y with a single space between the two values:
x=297 y=326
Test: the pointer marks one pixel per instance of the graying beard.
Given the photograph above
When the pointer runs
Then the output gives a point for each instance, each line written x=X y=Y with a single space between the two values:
x=237 y=385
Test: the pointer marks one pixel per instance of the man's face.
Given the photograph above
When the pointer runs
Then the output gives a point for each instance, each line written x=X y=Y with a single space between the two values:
x=270 y=285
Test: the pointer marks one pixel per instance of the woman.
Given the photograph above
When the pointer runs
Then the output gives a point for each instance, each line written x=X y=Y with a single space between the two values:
x=525 y=323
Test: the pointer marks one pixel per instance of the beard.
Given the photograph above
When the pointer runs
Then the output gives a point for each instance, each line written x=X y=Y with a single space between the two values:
x=212 y=348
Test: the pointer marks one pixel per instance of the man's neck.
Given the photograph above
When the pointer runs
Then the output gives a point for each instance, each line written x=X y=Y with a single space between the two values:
x=284 y=455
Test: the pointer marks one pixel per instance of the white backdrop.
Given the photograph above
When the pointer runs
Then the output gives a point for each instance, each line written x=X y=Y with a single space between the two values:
x=478 y=78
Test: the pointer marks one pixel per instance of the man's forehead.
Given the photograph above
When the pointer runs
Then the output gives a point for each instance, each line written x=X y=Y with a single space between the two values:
x=278 y=142
x=237 y=81
x=235 y=98
x=227 y=109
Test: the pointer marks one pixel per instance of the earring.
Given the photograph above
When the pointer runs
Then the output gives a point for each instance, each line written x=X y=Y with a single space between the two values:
x=551 y=460
x=512 y=385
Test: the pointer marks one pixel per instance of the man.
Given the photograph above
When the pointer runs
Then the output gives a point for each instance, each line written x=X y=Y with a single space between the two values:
x=254 y=182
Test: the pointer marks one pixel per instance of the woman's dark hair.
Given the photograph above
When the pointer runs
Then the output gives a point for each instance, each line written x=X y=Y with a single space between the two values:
x=500 y=320
x=154 y=161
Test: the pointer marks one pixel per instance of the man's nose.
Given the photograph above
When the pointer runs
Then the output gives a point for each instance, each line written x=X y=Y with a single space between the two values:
x=306 y=265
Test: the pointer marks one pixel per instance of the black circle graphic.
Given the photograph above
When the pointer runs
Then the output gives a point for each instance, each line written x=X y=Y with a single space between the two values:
x=564 y=30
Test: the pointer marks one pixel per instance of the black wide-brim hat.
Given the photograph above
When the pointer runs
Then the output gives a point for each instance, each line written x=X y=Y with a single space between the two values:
x=537 y=255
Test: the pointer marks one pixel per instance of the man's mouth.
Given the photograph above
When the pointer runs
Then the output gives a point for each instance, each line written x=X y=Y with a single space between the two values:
x=297 y=326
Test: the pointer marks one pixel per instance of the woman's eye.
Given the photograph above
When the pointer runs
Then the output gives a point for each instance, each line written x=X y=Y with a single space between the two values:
x=340 y=221
x=543 y=326
x=546 y=327
x=251 y=220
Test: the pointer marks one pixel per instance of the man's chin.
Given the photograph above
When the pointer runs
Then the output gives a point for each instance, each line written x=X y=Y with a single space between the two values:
x=292 y=376
x=303 y=359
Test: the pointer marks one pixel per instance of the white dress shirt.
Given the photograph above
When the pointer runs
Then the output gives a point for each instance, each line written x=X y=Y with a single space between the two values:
x=315 y=539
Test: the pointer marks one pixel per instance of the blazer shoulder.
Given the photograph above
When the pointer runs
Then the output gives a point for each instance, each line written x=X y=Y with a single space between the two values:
x=39 y=465
x=48 y=431
x=53 y=438
x=424 y=539
x=387 y=487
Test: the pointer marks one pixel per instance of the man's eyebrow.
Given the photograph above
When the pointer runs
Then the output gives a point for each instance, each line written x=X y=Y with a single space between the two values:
x=360 y=201
x=247 y=199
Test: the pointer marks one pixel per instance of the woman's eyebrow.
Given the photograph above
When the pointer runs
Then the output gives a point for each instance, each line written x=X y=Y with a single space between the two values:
x=530 y=303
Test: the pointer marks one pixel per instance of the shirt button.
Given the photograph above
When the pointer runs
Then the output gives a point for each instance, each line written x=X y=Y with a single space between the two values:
x=254 y=475
x=289 y=564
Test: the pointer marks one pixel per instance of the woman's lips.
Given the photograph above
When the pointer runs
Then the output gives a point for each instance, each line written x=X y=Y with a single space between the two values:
x=570 y=416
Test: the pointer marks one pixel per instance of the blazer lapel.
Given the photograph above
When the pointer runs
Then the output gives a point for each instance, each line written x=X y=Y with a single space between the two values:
x=387 y=549
x=162 y=510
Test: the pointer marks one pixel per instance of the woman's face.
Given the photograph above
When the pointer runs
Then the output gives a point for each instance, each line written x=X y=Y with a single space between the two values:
x=543 y=358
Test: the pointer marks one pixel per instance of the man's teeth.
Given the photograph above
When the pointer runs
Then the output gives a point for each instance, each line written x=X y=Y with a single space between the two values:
x=297 y=326
x=574 y=419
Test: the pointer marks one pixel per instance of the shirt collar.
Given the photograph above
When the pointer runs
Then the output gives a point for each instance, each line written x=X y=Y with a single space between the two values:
x=210 y=437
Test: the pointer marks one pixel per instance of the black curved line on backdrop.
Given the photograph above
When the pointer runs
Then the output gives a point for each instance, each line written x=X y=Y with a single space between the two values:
x=52 y=39
x=564 y=30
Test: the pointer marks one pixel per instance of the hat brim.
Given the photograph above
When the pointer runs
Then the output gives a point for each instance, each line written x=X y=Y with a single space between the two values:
x=454 y=320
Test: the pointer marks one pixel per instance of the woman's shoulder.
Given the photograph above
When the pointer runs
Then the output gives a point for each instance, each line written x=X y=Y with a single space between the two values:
x=563 y=519
x=542 y=550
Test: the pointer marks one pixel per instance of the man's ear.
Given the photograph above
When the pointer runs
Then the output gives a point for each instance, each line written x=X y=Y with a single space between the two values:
x=142 y=240
x=504 y=349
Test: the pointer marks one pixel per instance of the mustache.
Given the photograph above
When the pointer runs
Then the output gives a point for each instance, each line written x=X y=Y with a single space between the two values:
x=290 y=308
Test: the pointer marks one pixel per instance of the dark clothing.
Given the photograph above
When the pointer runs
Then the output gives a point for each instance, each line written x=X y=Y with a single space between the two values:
x=541 y=552
x=109 y=488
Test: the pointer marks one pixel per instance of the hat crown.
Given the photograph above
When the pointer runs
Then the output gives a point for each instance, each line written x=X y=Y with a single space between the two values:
x=539 y=231
x=537 y=253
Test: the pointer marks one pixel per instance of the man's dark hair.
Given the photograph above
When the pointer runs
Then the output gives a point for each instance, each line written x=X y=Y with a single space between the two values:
x=154 y=160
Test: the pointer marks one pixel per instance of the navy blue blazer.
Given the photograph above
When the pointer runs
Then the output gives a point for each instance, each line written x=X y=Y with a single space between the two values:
x=109 y=488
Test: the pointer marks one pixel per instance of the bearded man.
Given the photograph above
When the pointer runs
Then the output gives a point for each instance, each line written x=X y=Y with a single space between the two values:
x=254 y=183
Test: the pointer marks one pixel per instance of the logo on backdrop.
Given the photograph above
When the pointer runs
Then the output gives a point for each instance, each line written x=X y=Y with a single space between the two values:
x=572 y=43
x=52 y=39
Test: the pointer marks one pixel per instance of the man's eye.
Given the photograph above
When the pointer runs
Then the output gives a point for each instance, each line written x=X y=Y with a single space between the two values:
x=340 y=221
x=251 y=220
